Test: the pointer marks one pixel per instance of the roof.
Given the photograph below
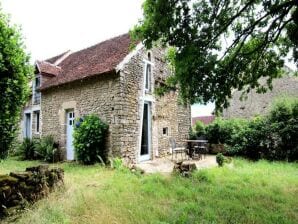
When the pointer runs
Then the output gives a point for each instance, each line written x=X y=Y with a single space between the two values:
x=205 y=119
x=48 y=68
x=95 y=60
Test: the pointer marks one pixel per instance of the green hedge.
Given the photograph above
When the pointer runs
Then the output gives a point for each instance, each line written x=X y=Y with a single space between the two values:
x=273 y=137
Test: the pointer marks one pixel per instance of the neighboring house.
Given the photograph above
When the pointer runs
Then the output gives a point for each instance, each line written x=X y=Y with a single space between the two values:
x=118 y=85
x=205 y=119
x=260 y=104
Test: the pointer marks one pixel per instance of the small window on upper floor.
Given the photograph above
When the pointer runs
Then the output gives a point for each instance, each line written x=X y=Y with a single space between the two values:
x=149 y=56
x=165 y=131
x=148 y=72
x=36 y=93
x=37 y=82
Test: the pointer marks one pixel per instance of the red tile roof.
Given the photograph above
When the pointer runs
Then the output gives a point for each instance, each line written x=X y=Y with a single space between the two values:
x=95 y=60
x=48 y=68
x=204 y=119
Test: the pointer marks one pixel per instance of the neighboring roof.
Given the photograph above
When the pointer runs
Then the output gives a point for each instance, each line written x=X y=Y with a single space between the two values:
x=204 y=119
x=95 y=60
x=55 y=58
x=48 y=68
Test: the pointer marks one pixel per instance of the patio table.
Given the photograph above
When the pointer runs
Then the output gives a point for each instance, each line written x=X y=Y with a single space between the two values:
x=192 y=149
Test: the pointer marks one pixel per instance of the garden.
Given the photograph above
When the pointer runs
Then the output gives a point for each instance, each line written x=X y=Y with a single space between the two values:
x=247 y=192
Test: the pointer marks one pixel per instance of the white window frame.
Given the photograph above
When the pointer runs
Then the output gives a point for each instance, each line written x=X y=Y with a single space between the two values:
x=34 y=87
x=35 y=113
x=148 y=78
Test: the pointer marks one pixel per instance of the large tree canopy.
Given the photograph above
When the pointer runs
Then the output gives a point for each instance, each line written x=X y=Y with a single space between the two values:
x=15 y=72
x=222 y=45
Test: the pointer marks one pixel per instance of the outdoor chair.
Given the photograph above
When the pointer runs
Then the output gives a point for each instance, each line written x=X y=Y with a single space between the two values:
x=201 y=149
x=177 y=150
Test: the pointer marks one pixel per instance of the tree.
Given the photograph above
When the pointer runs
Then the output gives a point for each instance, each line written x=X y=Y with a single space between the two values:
x=15 y=73
x=221 y=45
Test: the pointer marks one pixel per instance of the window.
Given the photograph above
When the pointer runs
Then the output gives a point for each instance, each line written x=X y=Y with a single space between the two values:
x=165 y=131
x=37 y=82
x=148 y=72
x=36 y=93
x=37 y=123
x=148 y=76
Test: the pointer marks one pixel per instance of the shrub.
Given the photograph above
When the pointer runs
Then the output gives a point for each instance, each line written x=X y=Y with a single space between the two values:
x=221 y=131
x=284 y=123
x=26 y=149
x=272 y=137
x=47 y=149
x=89 y=139
x=252 y=140
x=220 y=159
x=199 y=128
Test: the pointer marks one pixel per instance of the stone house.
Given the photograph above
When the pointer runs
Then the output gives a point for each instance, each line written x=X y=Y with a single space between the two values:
x=117 y=84
x=260 y=104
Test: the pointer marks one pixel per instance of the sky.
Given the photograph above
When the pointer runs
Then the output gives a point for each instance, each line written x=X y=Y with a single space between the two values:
x=50 y=27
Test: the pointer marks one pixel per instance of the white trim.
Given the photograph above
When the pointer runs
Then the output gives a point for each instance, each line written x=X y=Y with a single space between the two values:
x=148 y=62
x=149 y=120
x=142 y=98
x=35 y=107
x=62 y=58
x=25 y=124
x=148 y=98
x=128 y=57
x=36 y=132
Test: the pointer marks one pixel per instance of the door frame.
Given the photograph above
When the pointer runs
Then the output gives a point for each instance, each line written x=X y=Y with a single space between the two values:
x=25 y=124
x=67 y=112
x=146 y=156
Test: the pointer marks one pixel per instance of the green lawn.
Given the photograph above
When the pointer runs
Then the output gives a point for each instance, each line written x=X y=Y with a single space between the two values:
x=247 y=192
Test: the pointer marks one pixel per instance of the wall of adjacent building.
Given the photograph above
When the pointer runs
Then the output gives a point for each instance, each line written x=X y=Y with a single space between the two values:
x=260 y=104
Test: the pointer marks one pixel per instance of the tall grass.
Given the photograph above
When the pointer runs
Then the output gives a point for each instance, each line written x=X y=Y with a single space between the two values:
x=248 y=192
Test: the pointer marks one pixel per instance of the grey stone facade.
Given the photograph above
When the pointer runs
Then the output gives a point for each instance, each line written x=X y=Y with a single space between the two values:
x=118 y=99
x=260 y=104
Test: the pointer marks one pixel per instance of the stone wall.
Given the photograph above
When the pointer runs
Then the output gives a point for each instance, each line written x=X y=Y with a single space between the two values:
x=17 y=189
x=118 y=99
x=259 y=104
x=165 y=110
x=98 y=95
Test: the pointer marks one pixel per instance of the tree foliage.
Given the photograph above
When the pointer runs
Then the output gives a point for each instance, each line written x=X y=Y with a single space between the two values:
x=15 y=73
x=222 y=45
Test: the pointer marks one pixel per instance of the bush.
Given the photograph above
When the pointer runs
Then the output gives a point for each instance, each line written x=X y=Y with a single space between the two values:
x=252 y=140
x=284 y=123
x=89 y=139
x=220 y=159
x=221 y=131
x=47 y=149
x=26 y=149
x=199 y=128
x=272 y=137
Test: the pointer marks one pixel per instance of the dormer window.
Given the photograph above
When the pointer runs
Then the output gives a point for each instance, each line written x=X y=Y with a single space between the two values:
x=148 y=73
x=36 y=92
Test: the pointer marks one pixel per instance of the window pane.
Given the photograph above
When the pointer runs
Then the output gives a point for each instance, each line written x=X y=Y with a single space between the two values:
x=37 y=121
x=148 y=75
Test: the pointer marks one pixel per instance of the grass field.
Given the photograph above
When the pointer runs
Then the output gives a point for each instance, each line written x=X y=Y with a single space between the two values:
x=248 y=192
